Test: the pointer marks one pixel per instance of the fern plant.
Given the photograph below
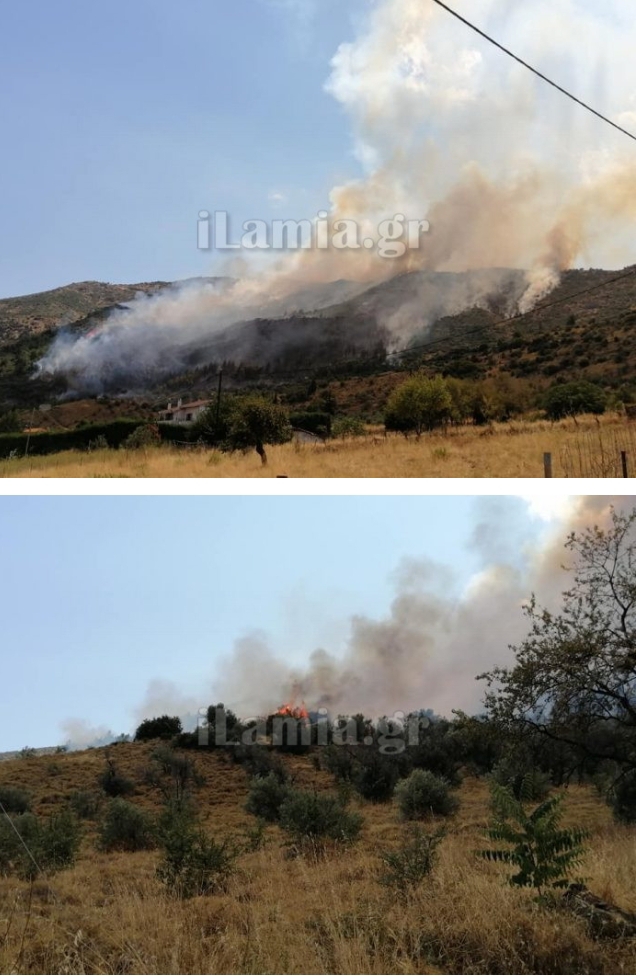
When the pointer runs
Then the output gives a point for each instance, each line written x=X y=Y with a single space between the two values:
x=543 y=852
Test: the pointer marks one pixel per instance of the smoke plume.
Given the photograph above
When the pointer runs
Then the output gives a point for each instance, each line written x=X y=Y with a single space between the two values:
x=430 y=646
x=509 y=173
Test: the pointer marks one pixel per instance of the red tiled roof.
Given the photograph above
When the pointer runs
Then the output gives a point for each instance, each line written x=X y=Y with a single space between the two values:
x=188 y=406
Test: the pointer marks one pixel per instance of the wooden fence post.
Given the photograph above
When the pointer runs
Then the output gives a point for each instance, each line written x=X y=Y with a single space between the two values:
x=624 y=463
x=547 y=464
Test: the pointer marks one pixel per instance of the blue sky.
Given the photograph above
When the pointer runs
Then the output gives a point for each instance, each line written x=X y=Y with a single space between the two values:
x=103 y=595
x=121 y=121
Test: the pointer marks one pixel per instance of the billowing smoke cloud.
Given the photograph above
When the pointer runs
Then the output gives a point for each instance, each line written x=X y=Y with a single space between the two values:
x=79 y=734
x=164 y=697
x=509 y=173
x=429 y=648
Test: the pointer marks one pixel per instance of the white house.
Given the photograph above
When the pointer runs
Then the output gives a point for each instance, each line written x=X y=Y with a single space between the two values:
x=184 y=413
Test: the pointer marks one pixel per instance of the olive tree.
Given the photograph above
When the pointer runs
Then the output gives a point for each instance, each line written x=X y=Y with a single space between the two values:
x=255 y=422
x=419 y=404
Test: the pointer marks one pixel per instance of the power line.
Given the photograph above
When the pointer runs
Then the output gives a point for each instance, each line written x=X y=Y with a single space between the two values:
x=525 y=64
x=520 y=315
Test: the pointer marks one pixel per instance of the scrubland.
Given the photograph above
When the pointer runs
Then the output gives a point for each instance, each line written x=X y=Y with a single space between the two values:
x=284 y=914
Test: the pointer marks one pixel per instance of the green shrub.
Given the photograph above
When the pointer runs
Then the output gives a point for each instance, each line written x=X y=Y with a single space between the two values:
x=49 y=844
x=10 y=422
x=114 y=784
x=422 y=794
x=51 y=442
x=258 y=761
x=348 y=427
x=313 y=421
x=419 y=404
x=10 y=849
x=622 y=798
x=126 y=827
x=192 y=863
x=310 y=816
x=186 y=740
x=413 y=861
x=255 y=836
x=375 y=777
x=542 y=852
x=437 y=751
x=570 y=399
x=144 y=436
x=173 y=774
x=163 y=727
x=266 y=797
x=85 y=804
x=339 y=761
x=518 y=776
x=58 y=842
x=14 y=800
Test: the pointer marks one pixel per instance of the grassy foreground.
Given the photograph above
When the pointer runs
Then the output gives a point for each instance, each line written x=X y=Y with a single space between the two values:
x=586 y=447
x=109 y=914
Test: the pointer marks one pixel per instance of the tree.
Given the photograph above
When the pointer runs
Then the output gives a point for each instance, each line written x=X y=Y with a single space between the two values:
x=574 y=678
x=163 y=727
x=212 y=425
x=570 y=399
x=10 y=422
x=255 y=422
x=419 y=404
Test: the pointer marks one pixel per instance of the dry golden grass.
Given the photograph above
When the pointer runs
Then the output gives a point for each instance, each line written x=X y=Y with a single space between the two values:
x=585 y=448
x=109 y=914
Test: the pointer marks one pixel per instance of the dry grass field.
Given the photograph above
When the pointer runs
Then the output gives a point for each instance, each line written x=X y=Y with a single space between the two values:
x=586 y=447
x=109 y=913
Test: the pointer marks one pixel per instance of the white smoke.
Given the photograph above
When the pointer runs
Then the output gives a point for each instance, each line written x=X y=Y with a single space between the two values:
x=509 y=172
x=80 y=734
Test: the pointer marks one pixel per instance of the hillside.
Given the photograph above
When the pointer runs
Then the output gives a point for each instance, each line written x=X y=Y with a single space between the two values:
x=33 y=314
x=280 y=912
x=452 y=313
x=585 y=327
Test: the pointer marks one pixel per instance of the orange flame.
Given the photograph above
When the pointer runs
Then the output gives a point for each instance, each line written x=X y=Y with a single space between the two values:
x=289 y=710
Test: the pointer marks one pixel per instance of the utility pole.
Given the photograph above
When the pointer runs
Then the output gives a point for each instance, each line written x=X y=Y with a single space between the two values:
x=218 y=398
x=28 y=440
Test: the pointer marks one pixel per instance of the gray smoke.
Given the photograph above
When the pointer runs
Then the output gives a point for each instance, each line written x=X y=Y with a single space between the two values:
x=428 y=649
